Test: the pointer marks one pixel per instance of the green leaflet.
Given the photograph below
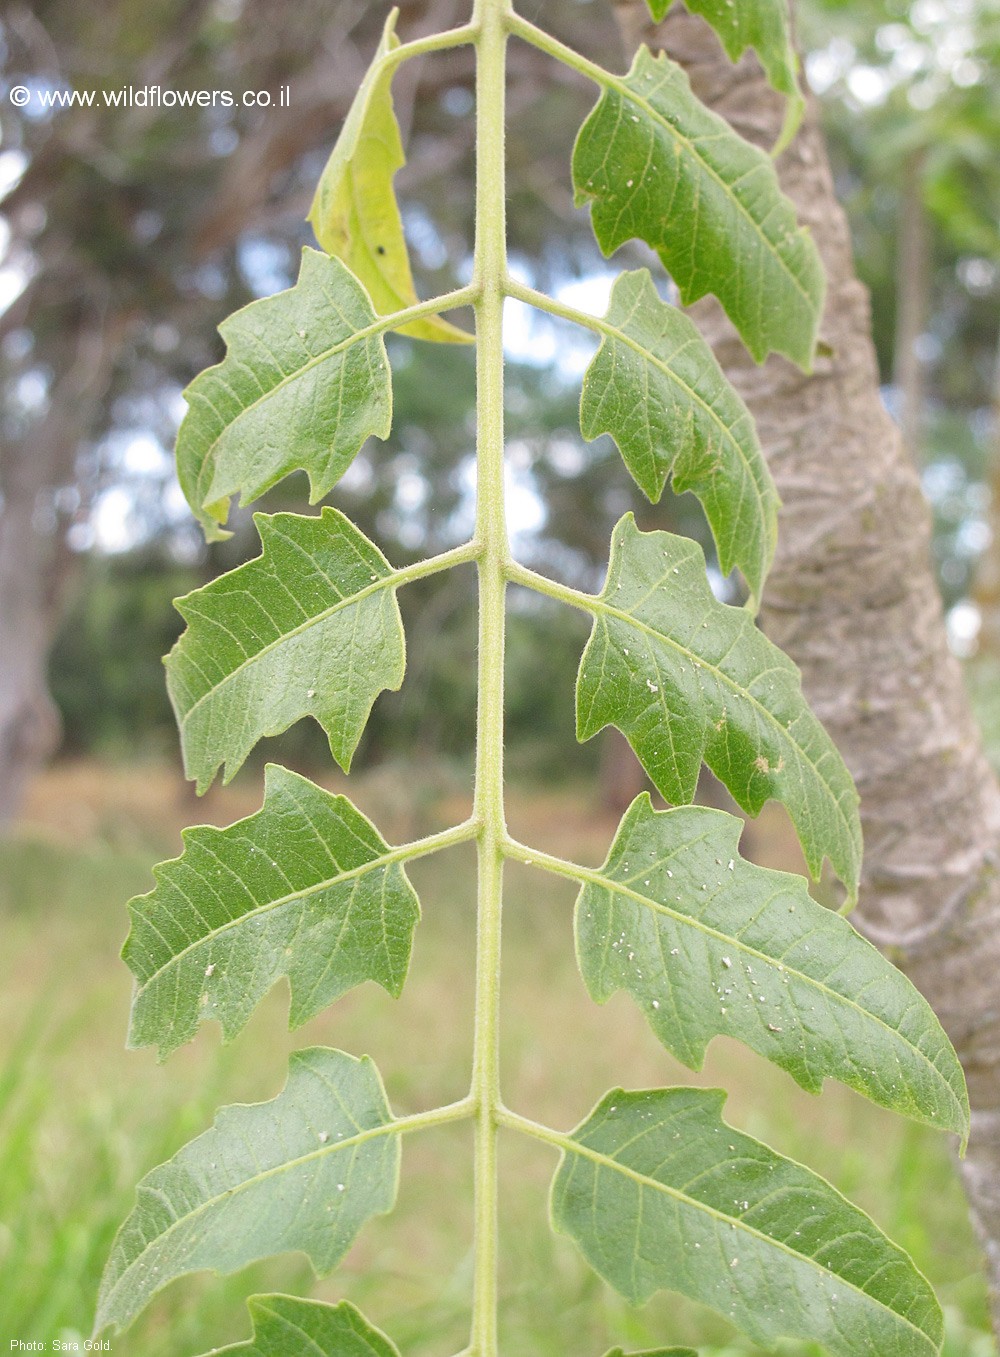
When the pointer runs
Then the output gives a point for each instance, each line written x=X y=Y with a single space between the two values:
x=654 y=385
x=354 y=212
x=284 y=1326
x=686 y=678
x=658 y=1191
x=762 y=25
x=304 y=382
x=306 y=888
x=655 y=163
x=303 y=1171
x=709 y=944
x=309 y=628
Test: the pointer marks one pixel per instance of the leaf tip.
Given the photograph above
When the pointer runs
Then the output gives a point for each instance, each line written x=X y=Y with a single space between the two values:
x=212 y=519
x=795 y=107
x=961 y=1123
x=342 y=750
x=278 y=778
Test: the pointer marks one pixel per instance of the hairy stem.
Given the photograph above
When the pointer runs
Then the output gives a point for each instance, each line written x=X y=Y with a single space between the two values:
x=434 y=42
x=490 y=273
x=448 y=301
x=562 y=593
x=433 y=565
x=545 y=42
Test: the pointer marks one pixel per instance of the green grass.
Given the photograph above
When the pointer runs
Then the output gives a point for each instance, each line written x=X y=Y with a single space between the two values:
x=81 y=1119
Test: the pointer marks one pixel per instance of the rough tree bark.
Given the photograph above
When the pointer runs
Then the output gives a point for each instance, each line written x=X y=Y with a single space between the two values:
x=852 y=598
x=986 y=588
x=913 y=286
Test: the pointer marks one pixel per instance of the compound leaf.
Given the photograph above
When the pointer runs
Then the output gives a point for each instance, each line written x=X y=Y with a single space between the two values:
x=354 y=212
x=686 y=678
x=656 y=164
x=284 y=1326
x=655 y=386
x=304 y=382
x=311 y=627
x=303 y=1171
x=709 y=944
x=658 y=1191
x=306 y=888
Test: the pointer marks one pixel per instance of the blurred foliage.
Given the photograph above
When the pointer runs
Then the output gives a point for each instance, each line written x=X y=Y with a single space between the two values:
x=150 y=225
x=918 y=85
x=897 y=78
x=107 y=677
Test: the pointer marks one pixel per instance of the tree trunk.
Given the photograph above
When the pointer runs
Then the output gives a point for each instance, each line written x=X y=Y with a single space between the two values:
x=852 y=598
x=29 y=725
x=913 y=286
x=36 y=566
x=986 y=586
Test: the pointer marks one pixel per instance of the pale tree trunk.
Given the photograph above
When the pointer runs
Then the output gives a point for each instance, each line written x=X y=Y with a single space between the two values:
x=29 y=724
x=36 y=567
x=852 y=598
x=986 y=589
x=913 y=287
